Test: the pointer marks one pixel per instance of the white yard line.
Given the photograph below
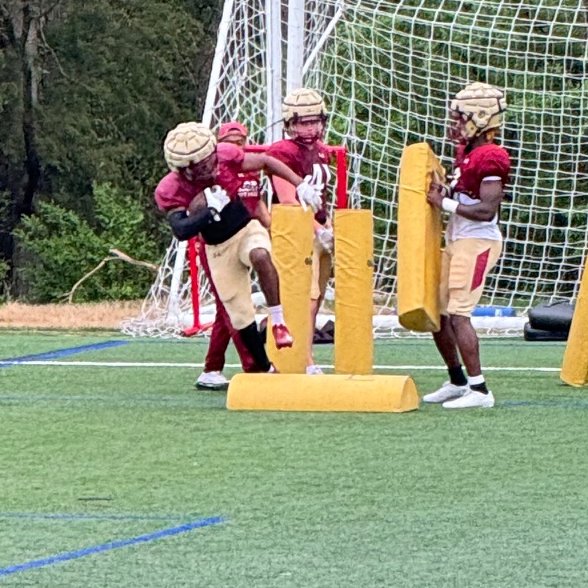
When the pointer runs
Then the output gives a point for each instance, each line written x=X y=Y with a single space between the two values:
x=135 y=364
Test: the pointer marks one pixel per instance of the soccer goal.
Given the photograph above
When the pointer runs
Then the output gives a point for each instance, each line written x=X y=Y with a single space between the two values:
x=387 y=69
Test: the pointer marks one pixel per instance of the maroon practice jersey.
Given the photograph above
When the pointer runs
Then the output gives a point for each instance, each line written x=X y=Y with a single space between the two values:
x=471 y=167
x=250 y=191
x=174 y=192
x=301 y=160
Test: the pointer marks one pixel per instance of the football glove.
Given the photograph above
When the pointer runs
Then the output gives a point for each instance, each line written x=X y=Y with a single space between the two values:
x=216 y=200
x=310 y=194
x=326 y=239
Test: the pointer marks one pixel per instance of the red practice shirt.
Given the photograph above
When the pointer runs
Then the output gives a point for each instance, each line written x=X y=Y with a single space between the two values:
x=479 y=163
x=301 y=160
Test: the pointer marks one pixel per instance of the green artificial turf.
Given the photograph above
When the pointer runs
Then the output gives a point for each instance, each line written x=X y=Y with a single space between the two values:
x=94 y=454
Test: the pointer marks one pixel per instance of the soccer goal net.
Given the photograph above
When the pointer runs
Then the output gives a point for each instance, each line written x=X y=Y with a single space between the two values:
x=387 y=69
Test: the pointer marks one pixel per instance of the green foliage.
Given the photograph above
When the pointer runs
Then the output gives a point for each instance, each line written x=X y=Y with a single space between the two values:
x=128 y=72
x=60 y=248
x=113 y=78
x=432 y=49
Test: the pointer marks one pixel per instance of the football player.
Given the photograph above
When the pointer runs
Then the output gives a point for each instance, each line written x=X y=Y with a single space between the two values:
x=234 y=242
x=473 y=241
x=250 y=191
x=304 y=118
x=222 y=332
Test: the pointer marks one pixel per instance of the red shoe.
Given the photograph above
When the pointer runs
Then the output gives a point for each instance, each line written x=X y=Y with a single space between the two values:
x=282 y=336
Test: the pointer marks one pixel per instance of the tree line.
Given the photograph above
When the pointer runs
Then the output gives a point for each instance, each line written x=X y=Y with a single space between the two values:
x=87 y=93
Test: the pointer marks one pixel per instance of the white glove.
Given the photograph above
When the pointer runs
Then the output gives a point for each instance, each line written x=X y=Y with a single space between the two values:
x=216 y=200
x=326 y=239
x=310 y=194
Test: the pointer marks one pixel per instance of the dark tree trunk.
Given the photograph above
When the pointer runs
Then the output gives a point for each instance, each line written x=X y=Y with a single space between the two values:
x=21 y=28
x=28 y=54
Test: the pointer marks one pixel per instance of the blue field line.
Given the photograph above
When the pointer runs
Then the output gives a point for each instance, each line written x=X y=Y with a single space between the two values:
x=69 y=555
x=87 y=517
x=58 y=353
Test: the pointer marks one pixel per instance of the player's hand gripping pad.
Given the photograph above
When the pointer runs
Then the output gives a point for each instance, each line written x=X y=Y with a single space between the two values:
x=419 y=241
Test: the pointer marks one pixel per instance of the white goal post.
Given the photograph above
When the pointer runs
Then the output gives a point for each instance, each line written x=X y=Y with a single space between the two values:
x=387 y=69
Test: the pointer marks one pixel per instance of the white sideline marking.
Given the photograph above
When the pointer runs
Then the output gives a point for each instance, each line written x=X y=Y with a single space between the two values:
x=130 y=364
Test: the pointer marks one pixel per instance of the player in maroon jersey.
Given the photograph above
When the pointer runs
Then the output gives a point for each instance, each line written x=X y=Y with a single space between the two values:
x=250 y=191
x=473 y=241
x=222 y=332
x=305 y=117
x=234 y=242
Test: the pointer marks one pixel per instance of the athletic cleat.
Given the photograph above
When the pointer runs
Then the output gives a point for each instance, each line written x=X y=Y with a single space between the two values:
x=211 y=381
x=448 y=391
x=471 y=399
x=282 y=336
x=313 y=370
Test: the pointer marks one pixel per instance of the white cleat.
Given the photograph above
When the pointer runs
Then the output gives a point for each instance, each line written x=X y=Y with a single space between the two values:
x=471 y=399
x=211 y=381
x=448 y=391
x=313 y=370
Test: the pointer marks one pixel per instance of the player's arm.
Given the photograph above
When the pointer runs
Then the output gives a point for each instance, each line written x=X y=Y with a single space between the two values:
x=262 y=214
x=186 y=226
x=491 y=195
x=308 y=190
x=204 y=209
x=324 y=235
x=270 y=165
x=285 y=191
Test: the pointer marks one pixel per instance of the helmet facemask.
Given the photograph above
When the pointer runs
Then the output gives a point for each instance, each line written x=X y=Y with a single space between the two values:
x=305 y=116
x=203 y=170
x=307 y=129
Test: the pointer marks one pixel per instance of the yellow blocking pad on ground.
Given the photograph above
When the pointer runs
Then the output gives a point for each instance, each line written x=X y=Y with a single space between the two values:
x=419 y=241
x=354 y=271
x=324 y=393
x=574 y=370
x=292 y=235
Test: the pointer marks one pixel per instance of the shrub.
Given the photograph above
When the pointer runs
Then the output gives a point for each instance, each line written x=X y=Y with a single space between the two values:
x=60 y=248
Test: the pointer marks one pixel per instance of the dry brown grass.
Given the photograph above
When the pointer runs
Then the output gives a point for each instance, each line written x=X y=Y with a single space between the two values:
x=103 y=315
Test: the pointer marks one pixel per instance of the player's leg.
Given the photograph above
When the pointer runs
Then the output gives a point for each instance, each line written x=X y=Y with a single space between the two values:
x=255 y=252
x=222 y=332
x=446 y=343
x=231 y=279
x=472 y=260
x=322 y=267
x=269 y=282
x=247 y=360
x=220 y=336
x=311 y=367
x=212 y=377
